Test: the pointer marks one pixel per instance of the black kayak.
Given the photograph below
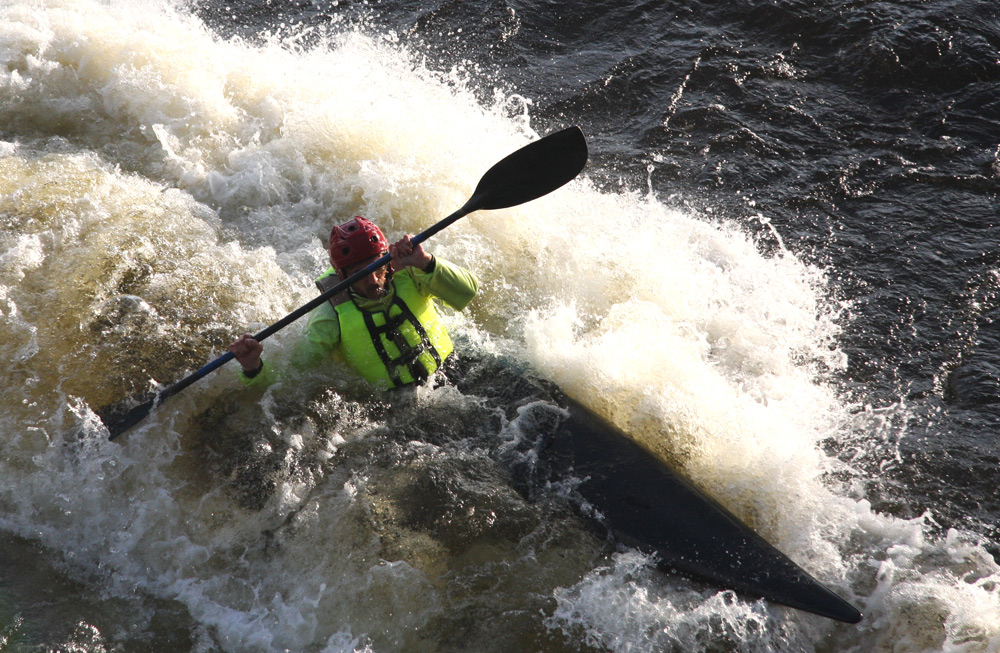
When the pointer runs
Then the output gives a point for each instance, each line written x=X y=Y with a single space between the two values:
x=613 y=483
x=646 y=505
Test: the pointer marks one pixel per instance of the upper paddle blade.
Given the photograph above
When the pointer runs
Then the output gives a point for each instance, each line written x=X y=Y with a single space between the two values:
x=534 y=170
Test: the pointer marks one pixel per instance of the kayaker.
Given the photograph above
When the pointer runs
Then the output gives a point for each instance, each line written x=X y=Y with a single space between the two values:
x=386 y=325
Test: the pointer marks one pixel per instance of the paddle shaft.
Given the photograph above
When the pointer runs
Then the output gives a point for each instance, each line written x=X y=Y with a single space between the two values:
x=529 y=173
x=382 y=261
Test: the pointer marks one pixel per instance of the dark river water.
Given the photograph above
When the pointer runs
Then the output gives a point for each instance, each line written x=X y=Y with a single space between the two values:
x=779 y=271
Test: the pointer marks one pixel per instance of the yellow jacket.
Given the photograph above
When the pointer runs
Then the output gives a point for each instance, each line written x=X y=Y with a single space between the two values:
x=450 y=283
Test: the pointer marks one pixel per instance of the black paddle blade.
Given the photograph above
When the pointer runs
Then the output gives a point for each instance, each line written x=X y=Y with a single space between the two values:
x=535 y=170
x=124 y=415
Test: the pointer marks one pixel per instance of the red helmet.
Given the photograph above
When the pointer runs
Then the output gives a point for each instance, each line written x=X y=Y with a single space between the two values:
x=354 y=241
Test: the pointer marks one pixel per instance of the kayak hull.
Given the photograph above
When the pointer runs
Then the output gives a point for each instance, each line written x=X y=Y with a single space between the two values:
x=645 y=504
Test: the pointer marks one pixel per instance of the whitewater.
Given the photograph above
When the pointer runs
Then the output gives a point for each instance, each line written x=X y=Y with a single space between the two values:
x=164 y=189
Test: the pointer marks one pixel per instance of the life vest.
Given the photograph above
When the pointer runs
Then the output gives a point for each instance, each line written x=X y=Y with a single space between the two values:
x=403 y=345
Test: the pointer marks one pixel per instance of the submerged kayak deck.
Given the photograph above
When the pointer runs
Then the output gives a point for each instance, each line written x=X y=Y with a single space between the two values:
x=646 y=505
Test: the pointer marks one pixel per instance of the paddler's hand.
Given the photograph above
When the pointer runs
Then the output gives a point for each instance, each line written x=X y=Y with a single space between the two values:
x=247 y=352
x=406 y=254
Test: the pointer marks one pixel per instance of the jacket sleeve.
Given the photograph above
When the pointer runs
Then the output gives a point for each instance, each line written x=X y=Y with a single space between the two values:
x=319 y=343
x=450 y=283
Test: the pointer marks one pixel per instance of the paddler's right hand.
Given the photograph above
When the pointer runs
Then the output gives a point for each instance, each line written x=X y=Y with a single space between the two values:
x=247 y=352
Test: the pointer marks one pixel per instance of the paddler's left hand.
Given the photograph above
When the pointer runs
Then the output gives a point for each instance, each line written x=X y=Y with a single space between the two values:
x=405 y=253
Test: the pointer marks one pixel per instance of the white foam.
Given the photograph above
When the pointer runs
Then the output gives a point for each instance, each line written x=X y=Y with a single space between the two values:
x=154 y=157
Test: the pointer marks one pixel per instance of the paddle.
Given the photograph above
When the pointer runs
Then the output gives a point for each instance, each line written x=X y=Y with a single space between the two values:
x=529 y=173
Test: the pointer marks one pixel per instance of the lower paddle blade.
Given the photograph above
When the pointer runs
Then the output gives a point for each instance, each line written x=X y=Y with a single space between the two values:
x=123 y=416
x=533 y=171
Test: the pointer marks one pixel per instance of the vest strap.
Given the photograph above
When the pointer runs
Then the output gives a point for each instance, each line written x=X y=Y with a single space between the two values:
x=329 y=281
x=409 y=354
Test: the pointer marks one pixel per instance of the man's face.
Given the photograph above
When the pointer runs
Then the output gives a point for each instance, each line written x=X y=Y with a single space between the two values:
x=374 y=285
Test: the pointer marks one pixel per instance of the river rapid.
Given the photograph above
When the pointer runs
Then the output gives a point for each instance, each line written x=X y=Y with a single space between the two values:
x=778 y=272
